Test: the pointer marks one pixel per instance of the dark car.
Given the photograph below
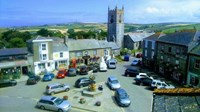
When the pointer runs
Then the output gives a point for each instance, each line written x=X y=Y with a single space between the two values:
x=6 y=83
x=83 y=70
x=122 y=98
x=48 y=76
x=33 y=79
x=82 y=82
x=139 y=55
x=146 y=81
x=131 y=72
x=94 y=67
x=72 y=72
x=126 y=57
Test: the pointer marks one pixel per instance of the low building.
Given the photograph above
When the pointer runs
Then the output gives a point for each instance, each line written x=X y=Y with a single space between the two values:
x=90 y=50
x=176 y=100
x=49 y=53
x=133 y=41
x=172 y=54
x=193 y=78
x=15 y=62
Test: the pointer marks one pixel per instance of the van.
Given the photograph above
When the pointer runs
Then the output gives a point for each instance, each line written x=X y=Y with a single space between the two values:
x=103 y=66
x=111 y=63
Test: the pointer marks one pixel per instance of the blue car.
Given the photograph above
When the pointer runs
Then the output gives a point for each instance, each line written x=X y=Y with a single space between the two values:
x=48 y=77
x=126 y=57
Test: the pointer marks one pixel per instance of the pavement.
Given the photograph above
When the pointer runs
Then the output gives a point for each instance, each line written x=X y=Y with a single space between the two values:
x=107 y=100
x=22 y=78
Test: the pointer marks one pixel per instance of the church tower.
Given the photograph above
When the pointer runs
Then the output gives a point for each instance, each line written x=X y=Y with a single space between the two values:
x=115 y=26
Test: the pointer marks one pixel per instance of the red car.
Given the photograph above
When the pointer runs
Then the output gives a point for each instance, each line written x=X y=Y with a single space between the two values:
x=61 y=74
x=139 y=55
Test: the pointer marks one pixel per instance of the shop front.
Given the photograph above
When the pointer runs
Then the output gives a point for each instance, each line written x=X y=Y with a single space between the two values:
x=193 y=79
x=14 y=70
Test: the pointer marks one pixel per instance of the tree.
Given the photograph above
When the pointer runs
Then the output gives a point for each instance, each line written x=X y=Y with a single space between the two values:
x=44 y=32
x=17 y=43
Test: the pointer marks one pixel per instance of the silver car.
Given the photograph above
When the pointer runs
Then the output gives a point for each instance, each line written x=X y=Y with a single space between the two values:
x=53 y=103
x=113 y=83
x=56 y=88
x=122 y=98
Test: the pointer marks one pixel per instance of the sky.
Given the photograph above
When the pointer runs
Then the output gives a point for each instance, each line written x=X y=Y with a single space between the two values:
x=40 y=12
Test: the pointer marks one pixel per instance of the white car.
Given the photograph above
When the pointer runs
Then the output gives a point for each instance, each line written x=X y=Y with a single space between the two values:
x=103 y=66
x=157 y=84
x=142 y=75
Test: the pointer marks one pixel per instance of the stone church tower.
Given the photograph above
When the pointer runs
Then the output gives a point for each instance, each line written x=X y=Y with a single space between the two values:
x=115 y=26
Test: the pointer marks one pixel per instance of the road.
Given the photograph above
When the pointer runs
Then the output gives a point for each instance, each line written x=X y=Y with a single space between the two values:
x=23 y=98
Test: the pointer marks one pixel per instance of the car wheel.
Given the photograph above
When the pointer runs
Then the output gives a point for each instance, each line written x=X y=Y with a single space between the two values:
x=67 y=89
x=60 y=110
x=42 y=107
x=52 y=93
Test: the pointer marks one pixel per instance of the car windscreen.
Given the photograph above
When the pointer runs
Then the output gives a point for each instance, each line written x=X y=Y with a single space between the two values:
x=123 y=96
x=58 y=101
x=112 y=63
x=115 y=81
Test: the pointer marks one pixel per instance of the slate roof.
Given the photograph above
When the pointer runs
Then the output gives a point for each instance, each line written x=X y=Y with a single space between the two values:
x=59 y=46
x=13 y=51
x=106 y=44
x=81 y=44
x=153 y=37
x=138 y=36
x=195 y=50
x=176 y=100
x=180 y=38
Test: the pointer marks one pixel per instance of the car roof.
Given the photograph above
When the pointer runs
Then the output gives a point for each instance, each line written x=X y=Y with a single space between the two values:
x=112 y=78
x=132 y=68
x=54 y=84
x=121 y=91
x=142 y=73
x=83 y=78
x=50 y=98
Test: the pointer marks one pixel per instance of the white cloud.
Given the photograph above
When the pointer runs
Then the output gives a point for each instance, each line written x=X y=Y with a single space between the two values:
x=165 y=11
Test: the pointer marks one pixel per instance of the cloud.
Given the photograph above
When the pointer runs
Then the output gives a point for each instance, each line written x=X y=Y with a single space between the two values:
x=165 y=11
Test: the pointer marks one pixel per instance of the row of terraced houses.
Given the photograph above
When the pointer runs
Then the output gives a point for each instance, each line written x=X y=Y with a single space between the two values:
x=175 y=56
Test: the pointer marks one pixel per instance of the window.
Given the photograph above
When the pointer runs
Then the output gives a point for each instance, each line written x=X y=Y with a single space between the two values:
x=145 y=53
x=169 y=49
x=194 y=80
x=61 y=54
x=161 y=57
x=152 y=54
x=95 y=52
x=44 y=46
x=41 y=66
x=49 y=64
x=79 y=53
x=153 y=45
x=44 y=56
x=177 y=51
x=105 y=52
x=197 y=64
x=146 y=44
x=86 y=53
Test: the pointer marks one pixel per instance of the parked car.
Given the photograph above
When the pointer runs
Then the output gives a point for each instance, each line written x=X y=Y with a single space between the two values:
x=139 y=55
x=145 y=81
x=136 y=61
x=103 y=67
x=48 y=76
x=82 y=82
x=122 y=98
x=6 y=83
x=53 y=103
x=111 y=64
x=33 y=79
x=61 y=74
x=113 y=82
x=56 y=88
x=126 y=57
x=140 y=76
x=157 y=84
x=94 y=68
x=83 y=70
x=131 y=72
x=72 y=72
